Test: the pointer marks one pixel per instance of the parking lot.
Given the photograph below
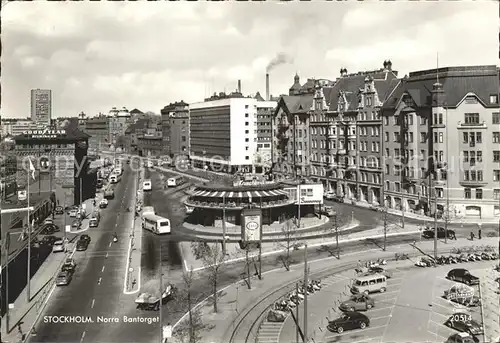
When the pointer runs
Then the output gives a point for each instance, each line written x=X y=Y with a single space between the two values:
x=413 y=308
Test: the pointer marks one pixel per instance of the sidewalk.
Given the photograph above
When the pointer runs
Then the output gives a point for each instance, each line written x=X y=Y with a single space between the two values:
x=235 y=298
x=41 y=287
x=132 y=282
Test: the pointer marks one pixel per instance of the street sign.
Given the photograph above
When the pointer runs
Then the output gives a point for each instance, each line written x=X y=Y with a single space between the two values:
x=68 y=228
x=11 y=306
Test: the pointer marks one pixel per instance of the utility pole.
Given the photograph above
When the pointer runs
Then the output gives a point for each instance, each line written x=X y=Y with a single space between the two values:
x=385 y=229
x=306 y=282
x=298 y=208
x=224 y=225
x=435 y=226
x=161 y=299
x=297 y=315
x=7 y=300
x=260 y=243
x=248 y=266
x=28 y=269
x=336 y=235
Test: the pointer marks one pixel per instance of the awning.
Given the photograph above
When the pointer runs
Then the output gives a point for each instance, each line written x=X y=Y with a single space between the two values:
x=249 y=195
x=197 y=193
x=223 y=194
x=231 y=194
x=273 y=193
x=240 y=195
x=266 y=194
x=257 y=194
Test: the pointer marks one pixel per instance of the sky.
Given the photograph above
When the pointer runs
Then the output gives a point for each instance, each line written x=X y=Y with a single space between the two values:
x=99 y=55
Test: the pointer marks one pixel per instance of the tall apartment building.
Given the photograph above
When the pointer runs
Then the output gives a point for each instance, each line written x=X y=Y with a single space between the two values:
x=442 y=142
x=329 y=131
x=41 y=106
x=223 y=132
x=175 y=128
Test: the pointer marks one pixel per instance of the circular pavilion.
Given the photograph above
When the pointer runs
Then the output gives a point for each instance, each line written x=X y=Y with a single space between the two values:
x=207 y=203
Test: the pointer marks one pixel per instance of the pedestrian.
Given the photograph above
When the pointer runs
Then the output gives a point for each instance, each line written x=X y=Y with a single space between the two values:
x=453 y=235
x=479 y=234
x=471 y=236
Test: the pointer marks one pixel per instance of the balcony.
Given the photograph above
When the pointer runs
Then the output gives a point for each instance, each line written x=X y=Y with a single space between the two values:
x=473 y=183
x=352 y=167
x=481 y=125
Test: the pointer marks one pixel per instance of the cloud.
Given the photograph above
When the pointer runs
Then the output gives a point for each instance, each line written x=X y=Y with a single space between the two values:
x=134 y=54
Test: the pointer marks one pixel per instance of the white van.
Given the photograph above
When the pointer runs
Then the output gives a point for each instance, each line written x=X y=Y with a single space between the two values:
x=114 y=178
x=95 y=219
x=369 y=284
x=146 y=185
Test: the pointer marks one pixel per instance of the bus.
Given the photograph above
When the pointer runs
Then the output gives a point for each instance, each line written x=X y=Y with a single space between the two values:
x=95 y=219
x=146 y=185
x=175 y=181
x=156 y=224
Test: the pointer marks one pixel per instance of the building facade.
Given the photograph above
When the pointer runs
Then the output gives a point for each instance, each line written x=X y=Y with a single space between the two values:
x=150 y=139
x=173 y=145
x=223 y=132
x=442 y=127
x=18 y=126
x=60 y=160
x=119 y=120
x=41 y=106
x=265 y=110
x=98 y=128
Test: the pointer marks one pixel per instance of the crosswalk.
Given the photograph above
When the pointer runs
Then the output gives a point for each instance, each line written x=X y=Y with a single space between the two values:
x=269 y=332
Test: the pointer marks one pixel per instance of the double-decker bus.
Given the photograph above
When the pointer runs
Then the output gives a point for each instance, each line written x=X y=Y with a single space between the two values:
x=175 y=181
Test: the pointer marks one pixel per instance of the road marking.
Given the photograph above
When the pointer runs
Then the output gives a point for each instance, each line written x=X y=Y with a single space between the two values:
x=381 y=294
x=102 y=270
x=439 y=305
x=99 y=281
x=357 y=331
x=367 y=339
x=106 y=254
x=110 y=244
x=83 y=336
x=382 y=317
x=380 y=309
x=93 y=302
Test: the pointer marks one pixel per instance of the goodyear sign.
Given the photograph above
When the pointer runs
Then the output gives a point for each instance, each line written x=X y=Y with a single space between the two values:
x=46 y=133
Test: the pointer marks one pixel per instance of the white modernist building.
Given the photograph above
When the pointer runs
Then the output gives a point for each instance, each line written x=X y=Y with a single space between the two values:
x=223 y=133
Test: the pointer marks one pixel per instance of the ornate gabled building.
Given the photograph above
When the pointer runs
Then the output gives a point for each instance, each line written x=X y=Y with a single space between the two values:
x=442 y=142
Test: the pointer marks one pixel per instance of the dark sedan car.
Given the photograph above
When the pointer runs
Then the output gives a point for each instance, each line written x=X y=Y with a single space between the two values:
x=49 y=229
x=82 y=245
x=464 y=323
x=85 y=238
x=463 y=276
x=59 y=210
x=349 y=321
x=441 y=233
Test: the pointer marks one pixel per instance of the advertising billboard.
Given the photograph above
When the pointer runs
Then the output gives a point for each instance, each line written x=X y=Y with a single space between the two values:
x=310 y=194
x=251 y=225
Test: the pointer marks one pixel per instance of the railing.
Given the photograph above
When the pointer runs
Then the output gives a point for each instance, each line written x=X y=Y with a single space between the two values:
x=237 y=205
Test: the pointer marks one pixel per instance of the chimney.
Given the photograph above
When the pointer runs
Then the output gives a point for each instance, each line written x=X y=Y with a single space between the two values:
x=267 y=87
x=239 y=86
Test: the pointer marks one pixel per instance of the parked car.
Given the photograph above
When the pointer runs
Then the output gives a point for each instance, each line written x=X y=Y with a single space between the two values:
x=64 y=278
x=49 y=240
x=376 y=208
x=69 y=264
x=378 y=270
x=463 y=276
x=441 y=232
x=85 y=238
x=357 y=302
x=461 y=337
x=59 y=210
x=73 y=213
x=463 y=323
x=59 y=246
x=76 y=224
x=49 y=229
x=329 y=195
x=48 y=221
x=349 y=321
x=463 y=295
x=338 y=198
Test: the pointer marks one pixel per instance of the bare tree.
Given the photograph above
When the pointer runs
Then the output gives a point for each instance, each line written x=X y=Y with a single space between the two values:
x=190 y=331
x=214 y=259
x=288 y=242
x=334 y=226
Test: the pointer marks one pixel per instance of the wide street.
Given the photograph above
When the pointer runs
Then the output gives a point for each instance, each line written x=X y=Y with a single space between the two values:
x=97 y=286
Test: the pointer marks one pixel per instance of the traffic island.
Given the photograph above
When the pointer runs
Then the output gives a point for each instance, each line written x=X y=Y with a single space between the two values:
x=132 y=282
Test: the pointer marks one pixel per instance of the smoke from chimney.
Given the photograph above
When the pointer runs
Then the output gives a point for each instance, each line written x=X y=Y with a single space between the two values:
x=280 y=58
x=267 y=87
x=239 y=86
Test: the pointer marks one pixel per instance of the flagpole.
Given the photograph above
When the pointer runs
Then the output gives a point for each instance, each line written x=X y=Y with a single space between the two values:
x=28 y=271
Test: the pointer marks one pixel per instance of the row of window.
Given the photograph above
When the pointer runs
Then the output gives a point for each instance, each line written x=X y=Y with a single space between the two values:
x=473 y=175
x=468 y=193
